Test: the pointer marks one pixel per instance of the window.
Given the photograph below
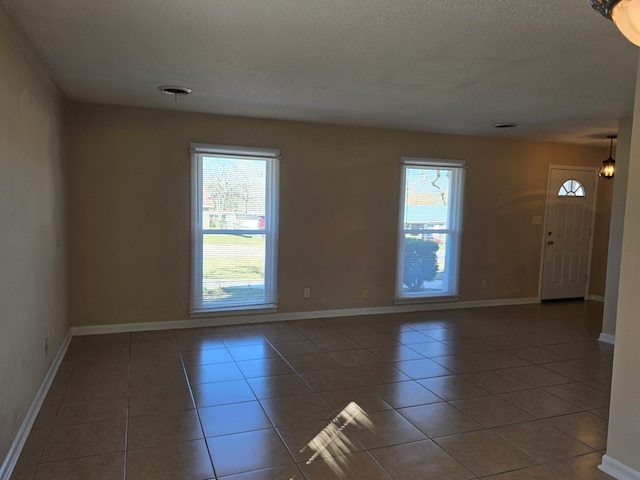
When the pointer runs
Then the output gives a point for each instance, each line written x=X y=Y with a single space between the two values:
x=571 y=188
x=430 y=228
x=235 y=226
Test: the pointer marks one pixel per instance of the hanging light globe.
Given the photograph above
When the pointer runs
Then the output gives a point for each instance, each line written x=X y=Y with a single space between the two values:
x=624 y=13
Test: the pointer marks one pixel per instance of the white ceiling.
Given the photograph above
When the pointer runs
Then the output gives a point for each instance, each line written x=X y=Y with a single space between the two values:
x=558 y=68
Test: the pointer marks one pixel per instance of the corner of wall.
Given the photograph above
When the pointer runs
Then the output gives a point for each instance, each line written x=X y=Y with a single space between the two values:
x=617 y=469
x=15 y=449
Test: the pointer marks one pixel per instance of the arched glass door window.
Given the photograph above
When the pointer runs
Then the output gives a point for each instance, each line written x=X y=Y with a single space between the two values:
x=571 y=188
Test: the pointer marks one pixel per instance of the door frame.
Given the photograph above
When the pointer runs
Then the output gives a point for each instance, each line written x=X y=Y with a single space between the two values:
x=546 y=219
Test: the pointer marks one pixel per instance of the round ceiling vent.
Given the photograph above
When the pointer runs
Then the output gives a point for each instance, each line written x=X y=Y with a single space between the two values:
x=174 y=90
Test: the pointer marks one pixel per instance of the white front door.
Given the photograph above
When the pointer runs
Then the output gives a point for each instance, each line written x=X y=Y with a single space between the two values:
x=571 y=197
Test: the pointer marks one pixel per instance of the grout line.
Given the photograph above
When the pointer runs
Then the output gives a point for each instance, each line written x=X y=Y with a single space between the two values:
x=195 y=405
x=51 y=428
x=126 y=427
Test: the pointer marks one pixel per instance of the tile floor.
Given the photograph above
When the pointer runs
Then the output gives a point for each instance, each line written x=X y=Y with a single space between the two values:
x=507 y=393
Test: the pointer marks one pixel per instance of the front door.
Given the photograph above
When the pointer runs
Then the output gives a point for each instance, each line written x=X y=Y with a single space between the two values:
x=571 y=197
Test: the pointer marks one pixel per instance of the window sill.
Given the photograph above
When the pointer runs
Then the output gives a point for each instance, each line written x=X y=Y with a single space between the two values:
x=232 y=311
x=442 y=299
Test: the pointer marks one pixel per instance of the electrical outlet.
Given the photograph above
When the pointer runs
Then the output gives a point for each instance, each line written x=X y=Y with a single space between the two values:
x=485 y=283
x=365 y=294
x=306 y=292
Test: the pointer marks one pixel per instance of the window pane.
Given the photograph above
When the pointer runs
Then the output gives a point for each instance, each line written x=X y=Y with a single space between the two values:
x=233 y=193
x=424 y=264
x=426 y=198
x=429 y=236
x=233 y=268
x=235 y=224
x=571 y=188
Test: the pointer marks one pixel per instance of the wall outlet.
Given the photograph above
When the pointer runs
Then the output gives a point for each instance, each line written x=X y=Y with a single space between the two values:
x=306 y=292
x=365 y=294
x=484 y=283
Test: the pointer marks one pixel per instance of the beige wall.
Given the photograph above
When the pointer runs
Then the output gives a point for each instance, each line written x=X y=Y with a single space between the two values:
x=601 y=234
x=32 y=238
x=129 y=210
x=616 y=229
x=624 y=420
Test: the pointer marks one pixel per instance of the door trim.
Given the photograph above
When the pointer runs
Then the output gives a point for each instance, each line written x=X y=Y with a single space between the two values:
x=593 y=219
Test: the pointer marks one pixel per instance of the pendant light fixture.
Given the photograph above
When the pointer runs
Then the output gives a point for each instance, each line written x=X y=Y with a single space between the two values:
x=608 y=168
x=624 y=13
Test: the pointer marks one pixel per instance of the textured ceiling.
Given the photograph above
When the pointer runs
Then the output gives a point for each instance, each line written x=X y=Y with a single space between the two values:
x=557 y=68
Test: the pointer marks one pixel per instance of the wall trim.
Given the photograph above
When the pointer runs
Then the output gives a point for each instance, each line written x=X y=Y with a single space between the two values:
x=606 y=338
x=596 y=298
x=618 y=469
x=278 y=317
x=25 y=428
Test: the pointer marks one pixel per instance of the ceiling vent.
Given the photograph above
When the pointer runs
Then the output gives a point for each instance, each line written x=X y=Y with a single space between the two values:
x=174 y=90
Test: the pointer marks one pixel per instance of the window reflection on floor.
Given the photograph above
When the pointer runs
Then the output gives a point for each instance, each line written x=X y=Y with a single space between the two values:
x=332 y=443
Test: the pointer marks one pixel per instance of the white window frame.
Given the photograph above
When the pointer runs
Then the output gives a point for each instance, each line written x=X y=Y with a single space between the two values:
x=271 y=156
x=454 y=232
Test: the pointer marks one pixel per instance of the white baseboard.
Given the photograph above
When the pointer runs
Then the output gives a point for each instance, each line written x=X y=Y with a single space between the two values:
x=606 y=338
x=596 y=298
x=23 y=432
x=617 y=469
x=214 y=321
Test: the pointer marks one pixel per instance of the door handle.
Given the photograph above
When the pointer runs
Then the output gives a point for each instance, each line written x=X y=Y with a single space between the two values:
x=549 y=242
